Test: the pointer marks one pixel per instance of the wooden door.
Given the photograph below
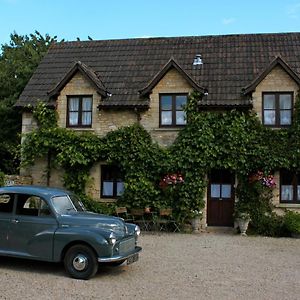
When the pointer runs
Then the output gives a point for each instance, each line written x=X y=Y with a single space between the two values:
x=220 y=198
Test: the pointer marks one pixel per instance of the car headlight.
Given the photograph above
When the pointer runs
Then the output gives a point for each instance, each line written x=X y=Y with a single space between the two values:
x=137 y=230
x=112 y=238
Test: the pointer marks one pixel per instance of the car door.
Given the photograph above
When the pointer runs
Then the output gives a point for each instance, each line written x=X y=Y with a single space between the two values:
x=6 y=210
x=32 y=228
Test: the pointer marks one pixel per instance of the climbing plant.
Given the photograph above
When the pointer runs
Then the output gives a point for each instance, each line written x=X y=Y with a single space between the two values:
x=233 y=140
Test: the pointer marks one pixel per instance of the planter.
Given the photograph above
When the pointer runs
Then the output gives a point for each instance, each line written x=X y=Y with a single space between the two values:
x=196 y=224
x=242 y=224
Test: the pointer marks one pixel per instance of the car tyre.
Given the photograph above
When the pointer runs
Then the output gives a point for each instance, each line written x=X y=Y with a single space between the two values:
x=81 y=262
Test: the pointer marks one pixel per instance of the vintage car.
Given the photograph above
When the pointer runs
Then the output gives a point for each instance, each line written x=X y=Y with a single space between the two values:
x=52 y=224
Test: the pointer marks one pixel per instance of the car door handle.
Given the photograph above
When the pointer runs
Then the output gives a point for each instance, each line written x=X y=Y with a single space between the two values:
x=16 y=221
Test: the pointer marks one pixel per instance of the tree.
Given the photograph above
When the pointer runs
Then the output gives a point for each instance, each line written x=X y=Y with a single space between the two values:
x=18 y=60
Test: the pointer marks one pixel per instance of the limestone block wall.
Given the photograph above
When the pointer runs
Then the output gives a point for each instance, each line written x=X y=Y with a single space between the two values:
x=171 y=83
x=78 y=85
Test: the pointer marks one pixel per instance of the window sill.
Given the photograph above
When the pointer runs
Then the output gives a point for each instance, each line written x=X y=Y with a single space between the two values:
x=288 y=205
x=108 y=200
x=81 y=129
x=168 y=129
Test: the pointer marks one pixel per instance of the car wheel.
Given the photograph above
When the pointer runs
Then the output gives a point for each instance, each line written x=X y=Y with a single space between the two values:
x=80 y=262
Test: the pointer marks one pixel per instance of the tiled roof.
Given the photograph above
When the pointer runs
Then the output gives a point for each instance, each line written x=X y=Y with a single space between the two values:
x=123 y=68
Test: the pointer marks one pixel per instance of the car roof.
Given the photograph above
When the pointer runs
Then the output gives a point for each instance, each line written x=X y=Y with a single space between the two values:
x=33 y=189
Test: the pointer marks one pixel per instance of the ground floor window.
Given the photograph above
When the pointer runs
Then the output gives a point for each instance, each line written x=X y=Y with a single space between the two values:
x=289 y=187
x=112 y=184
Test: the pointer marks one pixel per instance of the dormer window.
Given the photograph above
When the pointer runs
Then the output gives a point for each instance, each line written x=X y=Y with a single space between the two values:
x=172 y=112
x=277 y=109
x=79 y=111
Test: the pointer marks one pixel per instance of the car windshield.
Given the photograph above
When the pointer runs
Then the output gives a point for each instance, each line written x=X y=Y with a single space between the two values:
x=67 y=204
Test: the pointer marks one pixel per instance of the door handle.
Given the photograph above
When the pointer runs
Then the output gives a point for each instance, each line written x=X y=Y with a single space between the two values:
x=16 y=221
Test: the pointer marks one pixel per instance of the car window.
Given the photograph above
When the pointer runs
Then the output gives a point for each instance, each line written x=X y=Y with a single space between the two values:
x=63 y=204
x=32 y=206
x=67 y=204
x=6 y=203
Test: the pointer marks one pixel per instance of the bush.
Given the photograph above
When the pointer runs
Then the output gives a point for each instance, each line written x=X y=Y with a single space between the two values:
x=292 y=222
x=270 y=225
x=97 y=207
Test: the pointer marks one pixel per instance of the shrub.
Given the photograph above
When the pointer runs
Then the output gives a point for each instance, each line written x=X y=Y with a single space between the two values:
x=292 y=222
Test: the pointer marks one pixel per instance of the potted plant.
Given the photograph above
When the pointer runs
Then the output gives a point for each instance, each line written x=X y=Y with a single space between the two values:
x=241 y=217
x=241 y=221
x=196 y=216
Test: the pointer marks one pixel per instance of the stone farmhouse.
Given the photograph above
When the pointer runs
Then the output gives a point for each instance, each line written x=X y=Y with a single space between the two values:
x=100 y=86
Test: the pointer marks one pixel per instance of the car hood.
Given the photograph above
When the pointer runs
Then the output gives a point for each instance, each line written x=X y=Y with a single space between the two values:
x=97 y=221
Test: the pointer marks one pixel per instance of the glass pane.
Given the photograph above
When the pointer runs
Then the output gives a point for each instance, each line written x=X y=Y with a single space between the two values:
x=215 y=190
x=180 y=102
x=226 y=190
x=108 y=188
x=269 y=101
x=86 y=118
x=166 y=117
x=269 y=117
x=286 y=117
x=166 y=102
x=285 y=101
x=287 y=192
x=180 y=118
x=73 y=118
x=73 y=104
x=87 y=104
x=120 y=188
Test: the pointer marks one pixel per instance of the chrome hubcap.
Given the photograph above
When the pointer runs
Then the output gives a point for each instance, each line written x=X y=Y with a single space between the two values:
x=80 y=262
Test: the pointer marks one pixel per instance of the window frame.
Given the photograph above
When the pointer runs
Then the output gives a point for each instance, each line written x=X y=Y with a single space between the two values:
x=80 y=111
x=173 y=110
x=115 y=181
x=294 y=184
x=277 y=108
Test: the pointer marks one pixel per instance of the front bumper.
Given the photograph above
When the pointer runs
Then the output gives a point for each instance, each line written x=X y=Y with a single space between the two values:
x=119 y=257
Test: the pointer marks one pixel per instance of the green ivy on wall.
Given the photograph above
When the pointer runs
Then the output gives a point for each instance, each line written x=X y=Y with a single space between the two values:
x=233 y=140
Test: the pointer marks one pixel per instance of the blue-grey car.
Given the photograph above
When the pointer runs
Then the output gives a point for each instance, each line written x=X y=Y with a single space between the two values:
x=52 y=225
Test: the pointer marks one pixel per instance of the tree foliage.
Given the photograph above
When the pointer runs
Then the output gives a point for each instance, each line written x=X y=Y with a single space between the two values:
x=18 y=60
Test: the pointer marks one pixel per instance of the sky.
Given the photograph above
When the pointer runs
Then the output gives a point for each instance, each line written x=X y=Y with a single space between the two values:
x=120 y=19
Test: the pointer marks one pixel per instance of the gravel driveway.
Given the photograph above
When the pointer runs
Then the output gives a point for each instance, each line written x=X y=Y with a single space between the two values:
x=172 y=266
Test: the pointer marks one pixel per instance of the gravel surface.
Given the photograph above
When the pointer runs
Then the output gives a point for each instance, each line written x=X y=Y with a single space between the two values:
x=171 y=266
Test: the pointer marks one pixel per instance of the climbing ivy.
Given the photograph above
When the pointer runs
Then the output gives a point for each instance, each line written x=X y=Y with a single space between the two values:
x=233 y=140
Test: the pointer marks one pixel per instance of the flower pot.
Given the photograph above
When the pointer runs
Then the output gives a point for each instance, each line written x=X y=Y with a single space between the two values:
x=243 y=225
x=196 y=224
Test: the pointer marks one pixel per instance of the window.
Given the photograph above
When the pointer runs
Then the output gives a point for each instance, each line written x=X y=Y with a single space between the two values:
x=171 y=110
x=79 y=111
x=277 y=109
x=112 y=184
x=6 y=203
x=289 y=187
x=32 y=206
x=221 y=184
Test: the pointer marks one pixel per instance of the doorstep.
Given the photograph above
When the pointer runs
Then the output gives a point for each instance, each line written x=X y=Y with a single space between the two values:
x=220 y=229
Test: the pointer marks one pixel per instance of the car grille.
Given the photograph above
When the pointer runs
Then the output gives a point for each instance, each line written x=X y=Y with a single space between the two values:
x=127 y=246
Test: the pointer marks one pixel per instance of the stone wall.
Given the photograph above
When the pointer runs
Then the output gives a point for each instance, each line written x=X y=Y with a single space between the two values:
x=172 y=83
x=17 y=180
